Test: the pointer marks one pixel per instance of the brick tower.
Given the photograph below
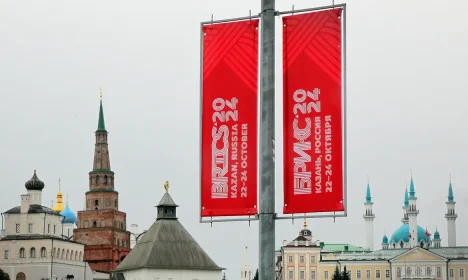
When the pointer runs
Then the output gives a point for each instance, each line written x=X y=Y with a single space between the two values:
x=102 y=227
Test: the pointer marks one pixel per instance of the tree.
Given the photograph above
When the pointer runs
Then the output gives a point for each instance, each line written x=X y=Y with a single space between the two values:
x=336 y=274
x=3 y=275
x=345 y=275
x=256 y=275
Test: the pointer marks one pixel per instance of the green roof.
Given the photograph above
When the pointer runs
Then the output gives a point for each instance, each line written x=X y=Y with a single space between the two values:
x=101 y=124
x=368 y=194
x=450 y=193
x=340 y=247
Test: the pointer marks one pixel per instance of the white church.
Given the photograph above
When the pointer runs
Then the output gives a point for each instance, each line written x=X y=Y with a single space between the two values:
x=35 y=240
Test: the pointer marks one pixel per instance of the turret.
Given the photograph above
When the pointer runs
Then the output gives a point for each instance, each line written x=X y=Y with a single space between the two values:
x=369 y=220
x=451 y=217
x=385 y=242
x=437 y=240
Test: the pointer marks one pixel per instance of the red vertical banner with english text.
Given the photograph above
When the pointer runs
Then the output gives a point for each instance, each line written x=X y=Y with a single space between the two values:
x=229 y=119
x=313 y=112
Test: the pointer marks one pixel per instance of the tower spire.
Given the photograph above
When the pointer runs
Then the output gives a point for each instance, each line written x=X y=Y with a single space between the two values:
x=101 y=123
x=451 y=217
x=369 y=219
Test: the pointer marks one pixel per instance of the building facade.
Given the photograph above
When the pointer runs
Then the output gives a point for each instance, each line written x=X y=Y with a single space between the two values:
x=101 y=226
x=410 y=253
x=33 y=245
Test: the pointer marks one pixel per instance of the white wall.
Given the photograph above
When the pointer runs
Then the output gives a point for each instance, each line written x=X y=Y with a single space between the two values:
x=39 y=266
x=172 y=274
x=40 y=222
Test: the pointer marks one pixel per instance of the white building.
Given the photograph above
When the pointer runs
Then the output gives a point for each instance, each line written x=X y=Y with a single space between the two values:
x=167 y=251
x=246 y=268
x=32 y=245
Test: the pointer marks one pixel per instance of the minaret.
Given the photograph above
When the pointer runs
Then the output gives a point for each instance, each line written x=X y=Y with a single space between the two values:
x=412 y=213
x=369 y=219
x=102 y=227
x=405 y=220
x=437 y=240
x=246 y=269
x=385 y=242
x=59 y=206
x=451 y=216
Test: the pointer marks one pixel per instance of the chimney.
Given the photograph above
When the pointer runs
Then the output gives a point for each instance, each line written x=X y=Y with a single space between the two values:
x=25 y=203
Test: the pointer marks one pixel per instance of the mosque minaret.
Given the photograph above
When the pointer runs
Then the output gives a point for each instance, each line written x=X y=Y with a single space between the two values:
x=369 y=220
x=451 y=217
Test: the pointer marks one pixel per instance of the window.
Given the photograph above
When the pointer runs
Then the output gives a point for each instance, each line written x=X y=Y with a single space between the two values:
x=55 y=228
x=418 y=271
x=377 y=273
x=115 y=203
x=105 y=179
x=22 y=253
x=290 y=275
x=387 y=273
x=398 y=272
x=17 y=228
x=290 y=259
x=439 y=274
x=33 y=252
x=358 y=274
x=428 y=271
x=368 y=274
x=312 y=259
x=94 y=224
x=451 y=273
x=301 y=259
x=71 y=255
x=76 y=255
x=97 y=179
x=301 y=274
x=326 y=274
x=6 y=255
x=96 y=202
x=462 y=273
x=30 y=228
x=408 y=271
x=312 y=275
x=58 y=253
x=48 y=228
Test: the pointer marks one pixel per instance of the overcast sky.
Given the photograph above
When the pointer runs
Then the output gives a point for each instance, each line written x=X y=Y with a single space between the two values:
x=407 y=109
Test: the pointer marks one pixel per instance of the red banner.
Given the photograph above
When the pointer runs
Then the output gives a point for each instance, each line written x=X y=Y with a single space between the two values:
x=313 y=112
x=229 y=119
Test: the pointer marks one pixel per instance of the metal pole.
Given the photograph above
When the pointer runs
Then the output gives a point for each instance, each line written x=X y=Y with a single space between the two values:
x=267 y=135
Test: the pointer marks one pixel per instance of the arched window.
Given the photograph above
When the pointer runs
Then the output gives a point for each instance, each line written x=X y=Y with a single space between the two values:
x=66 y=257
x=58 y=253
x=80 y=257
x=63 y=253
x=418 y=271
x=43 y=252
x=115 y=203
x=76 y=255
x=96 y=202
x=20 y=276
x=97 y=180
x=408 y=271
x=22 y=253
x=428 y=271
x=71 y=255
x=401 y=244
x=398 y=273
x=105 y=179
x=33 y=252
x=421 y=244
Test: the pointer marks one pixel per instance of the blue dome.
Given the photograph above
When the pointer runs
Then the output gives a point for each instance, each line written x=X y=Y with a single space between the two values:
x=70 y=217
x=385 y=239
x=402 y=233
x=436 y=235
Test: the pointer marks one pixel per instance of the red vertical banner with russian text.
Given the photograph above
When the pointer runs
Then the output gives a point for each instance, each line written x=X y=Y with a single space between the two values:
x=229 y=119
x=313 y=112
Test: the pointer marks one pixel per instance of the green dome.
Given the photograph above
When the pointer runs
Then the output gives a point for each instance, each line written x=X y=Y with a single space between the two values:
x=402 y=233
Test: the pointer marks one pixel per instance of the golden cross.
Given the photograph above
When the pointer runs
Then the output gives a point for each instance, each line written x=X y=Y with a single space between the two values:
x=166 y=186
